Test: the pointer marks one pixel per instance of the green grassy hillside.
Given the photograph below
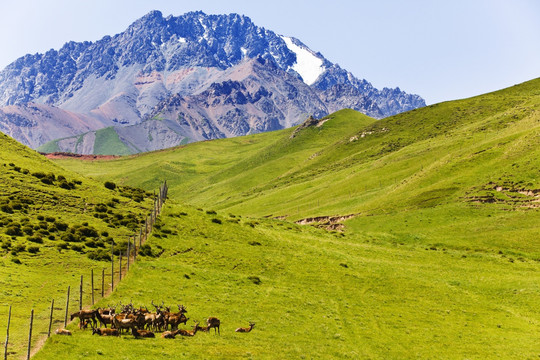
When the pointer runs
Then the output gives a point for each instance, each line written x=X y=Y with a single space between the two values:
x=440 y=258
x=314 y=294
x=55 y=226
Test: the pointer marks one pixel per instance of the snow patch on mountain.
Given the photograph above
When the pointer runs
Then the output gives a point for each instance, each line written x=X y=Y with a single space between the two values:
x=309 y=66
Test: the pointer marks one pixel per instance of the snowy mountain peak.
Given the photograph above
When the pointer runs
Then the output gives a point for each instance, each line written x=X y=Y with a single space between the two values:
x=120 y=79
x=308 y=65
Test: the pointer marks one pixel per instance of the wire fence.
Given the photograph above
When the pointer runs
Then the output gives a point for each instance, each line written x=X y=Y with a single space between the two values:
x=92 y=287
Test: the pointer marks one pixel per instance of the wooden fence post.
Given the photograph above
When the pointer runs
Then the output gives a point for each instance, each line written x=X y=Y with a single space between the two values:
x=80 y=294
x=67 y=307
x=134 y=249
x=103 y=282
x=120 y=268
x=128 y=254
x=112 y=266
x=92 y=284
x=30 y=334
x=7 y=334
x=50 y=319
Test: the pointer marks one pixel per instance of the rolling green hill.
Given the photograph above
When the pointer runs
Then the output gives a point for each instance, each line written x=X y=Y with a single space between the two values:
x=426 y=243
x=55 y=226
x=434 y=252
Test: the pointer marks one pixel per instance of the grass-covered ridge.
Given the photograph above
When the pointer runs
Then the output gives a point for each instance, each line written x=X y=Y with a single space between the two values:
x=55 y=225
x=440 y=258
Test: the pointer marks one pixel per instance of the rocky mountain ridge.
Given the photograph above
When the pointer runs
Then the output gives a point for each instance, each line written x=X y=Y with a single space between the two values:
x=128 y=78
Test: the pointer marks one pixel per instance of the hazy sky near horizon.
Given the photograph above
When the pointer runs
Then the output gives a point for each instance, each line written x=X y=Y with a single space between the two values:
x=439 y=50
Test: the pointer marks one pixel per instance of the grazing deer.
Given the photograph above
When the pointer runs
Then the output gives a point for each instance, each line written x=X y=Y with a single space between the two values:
x=105 y=332
x=213 y=322
x=246 y=330
x=183 y=332
x=142 y=333
x=84 y=315
x=62 y=332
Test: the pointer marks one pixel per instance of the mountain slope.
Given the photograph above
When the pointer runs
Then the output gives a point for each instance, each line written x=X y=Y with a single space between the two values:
x=438 y=252
x=119 y=80
x=55 y=226
x=451 y=155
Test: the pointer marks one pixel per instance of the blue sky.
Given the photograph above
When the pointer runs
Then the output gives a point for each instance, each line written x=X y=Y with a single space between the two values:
x=439 y=50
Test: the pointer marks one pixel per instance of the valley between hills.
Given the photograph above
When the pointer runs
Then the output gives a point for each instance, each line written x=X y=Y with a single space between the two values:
x=414 y=236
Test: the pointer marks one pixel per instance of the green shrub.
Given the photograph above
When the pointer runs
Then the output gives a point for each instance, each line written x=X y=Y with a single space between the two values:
x=62 y=245
x=28 y=230
x=33 y=249
x=36 y=239
x=14 y=230
x=50 y=219
x=61 y=226
x=39 y=175
x=146 y=250
x=6 y=208
x=100 y=208
x=90 y=243
x=69 y=237
x=16 y=260
x=216 y=221
x=87 y=232
x=40 y=217
x=77 y=248
x=99 y=255
x=15 y=249
x=110 y=185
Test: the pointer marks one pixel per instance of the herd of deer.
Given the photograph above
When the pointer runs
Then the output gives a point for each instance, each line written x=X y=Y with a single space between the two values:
x=143 y=323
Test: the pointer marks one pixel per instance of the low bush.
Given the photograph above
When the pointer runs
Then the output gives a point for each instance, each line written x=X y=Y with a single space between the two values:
x=33 y=249
x=36 y=239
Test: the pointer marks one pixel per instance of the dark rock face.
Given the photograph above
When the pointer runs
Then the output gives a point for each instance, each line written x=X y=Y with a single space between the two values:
x=207 y=62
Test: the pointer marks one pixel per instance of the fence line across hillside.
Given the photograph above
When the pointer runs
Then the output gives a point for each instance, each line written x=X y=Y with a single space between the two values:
x=135 y=243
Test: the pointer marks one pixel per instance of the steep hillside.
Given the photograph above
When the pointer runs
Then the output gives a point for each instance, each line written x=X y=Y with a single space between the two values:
x=120 y=80
x=55 y=226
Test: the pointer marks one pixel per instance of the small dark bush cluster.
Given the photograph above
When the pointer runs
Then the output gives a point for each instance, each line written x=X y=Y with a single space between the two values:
x=51 y=179
x=216 y=221
x=33 y=249
x=132 y=193
x=36 y=239
x=99 y=255
x=110 y=185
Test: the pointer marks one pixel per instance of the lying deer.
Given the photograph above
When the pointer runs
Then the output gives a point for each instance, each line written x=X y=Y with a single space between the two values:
x=62 y=332
x=105 y=332
x=183 y=332
x=245 y=330
x=142 y=333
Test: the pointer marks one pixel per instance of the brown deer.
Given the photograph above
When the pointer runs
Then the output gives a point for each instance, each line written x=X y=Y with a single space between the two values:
x=183 y=332
x=62 y=332
x=105 y=332
x=84 y=315
x=142 y=333
x=213 y=322
x=168 y=335
x=246 y=330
